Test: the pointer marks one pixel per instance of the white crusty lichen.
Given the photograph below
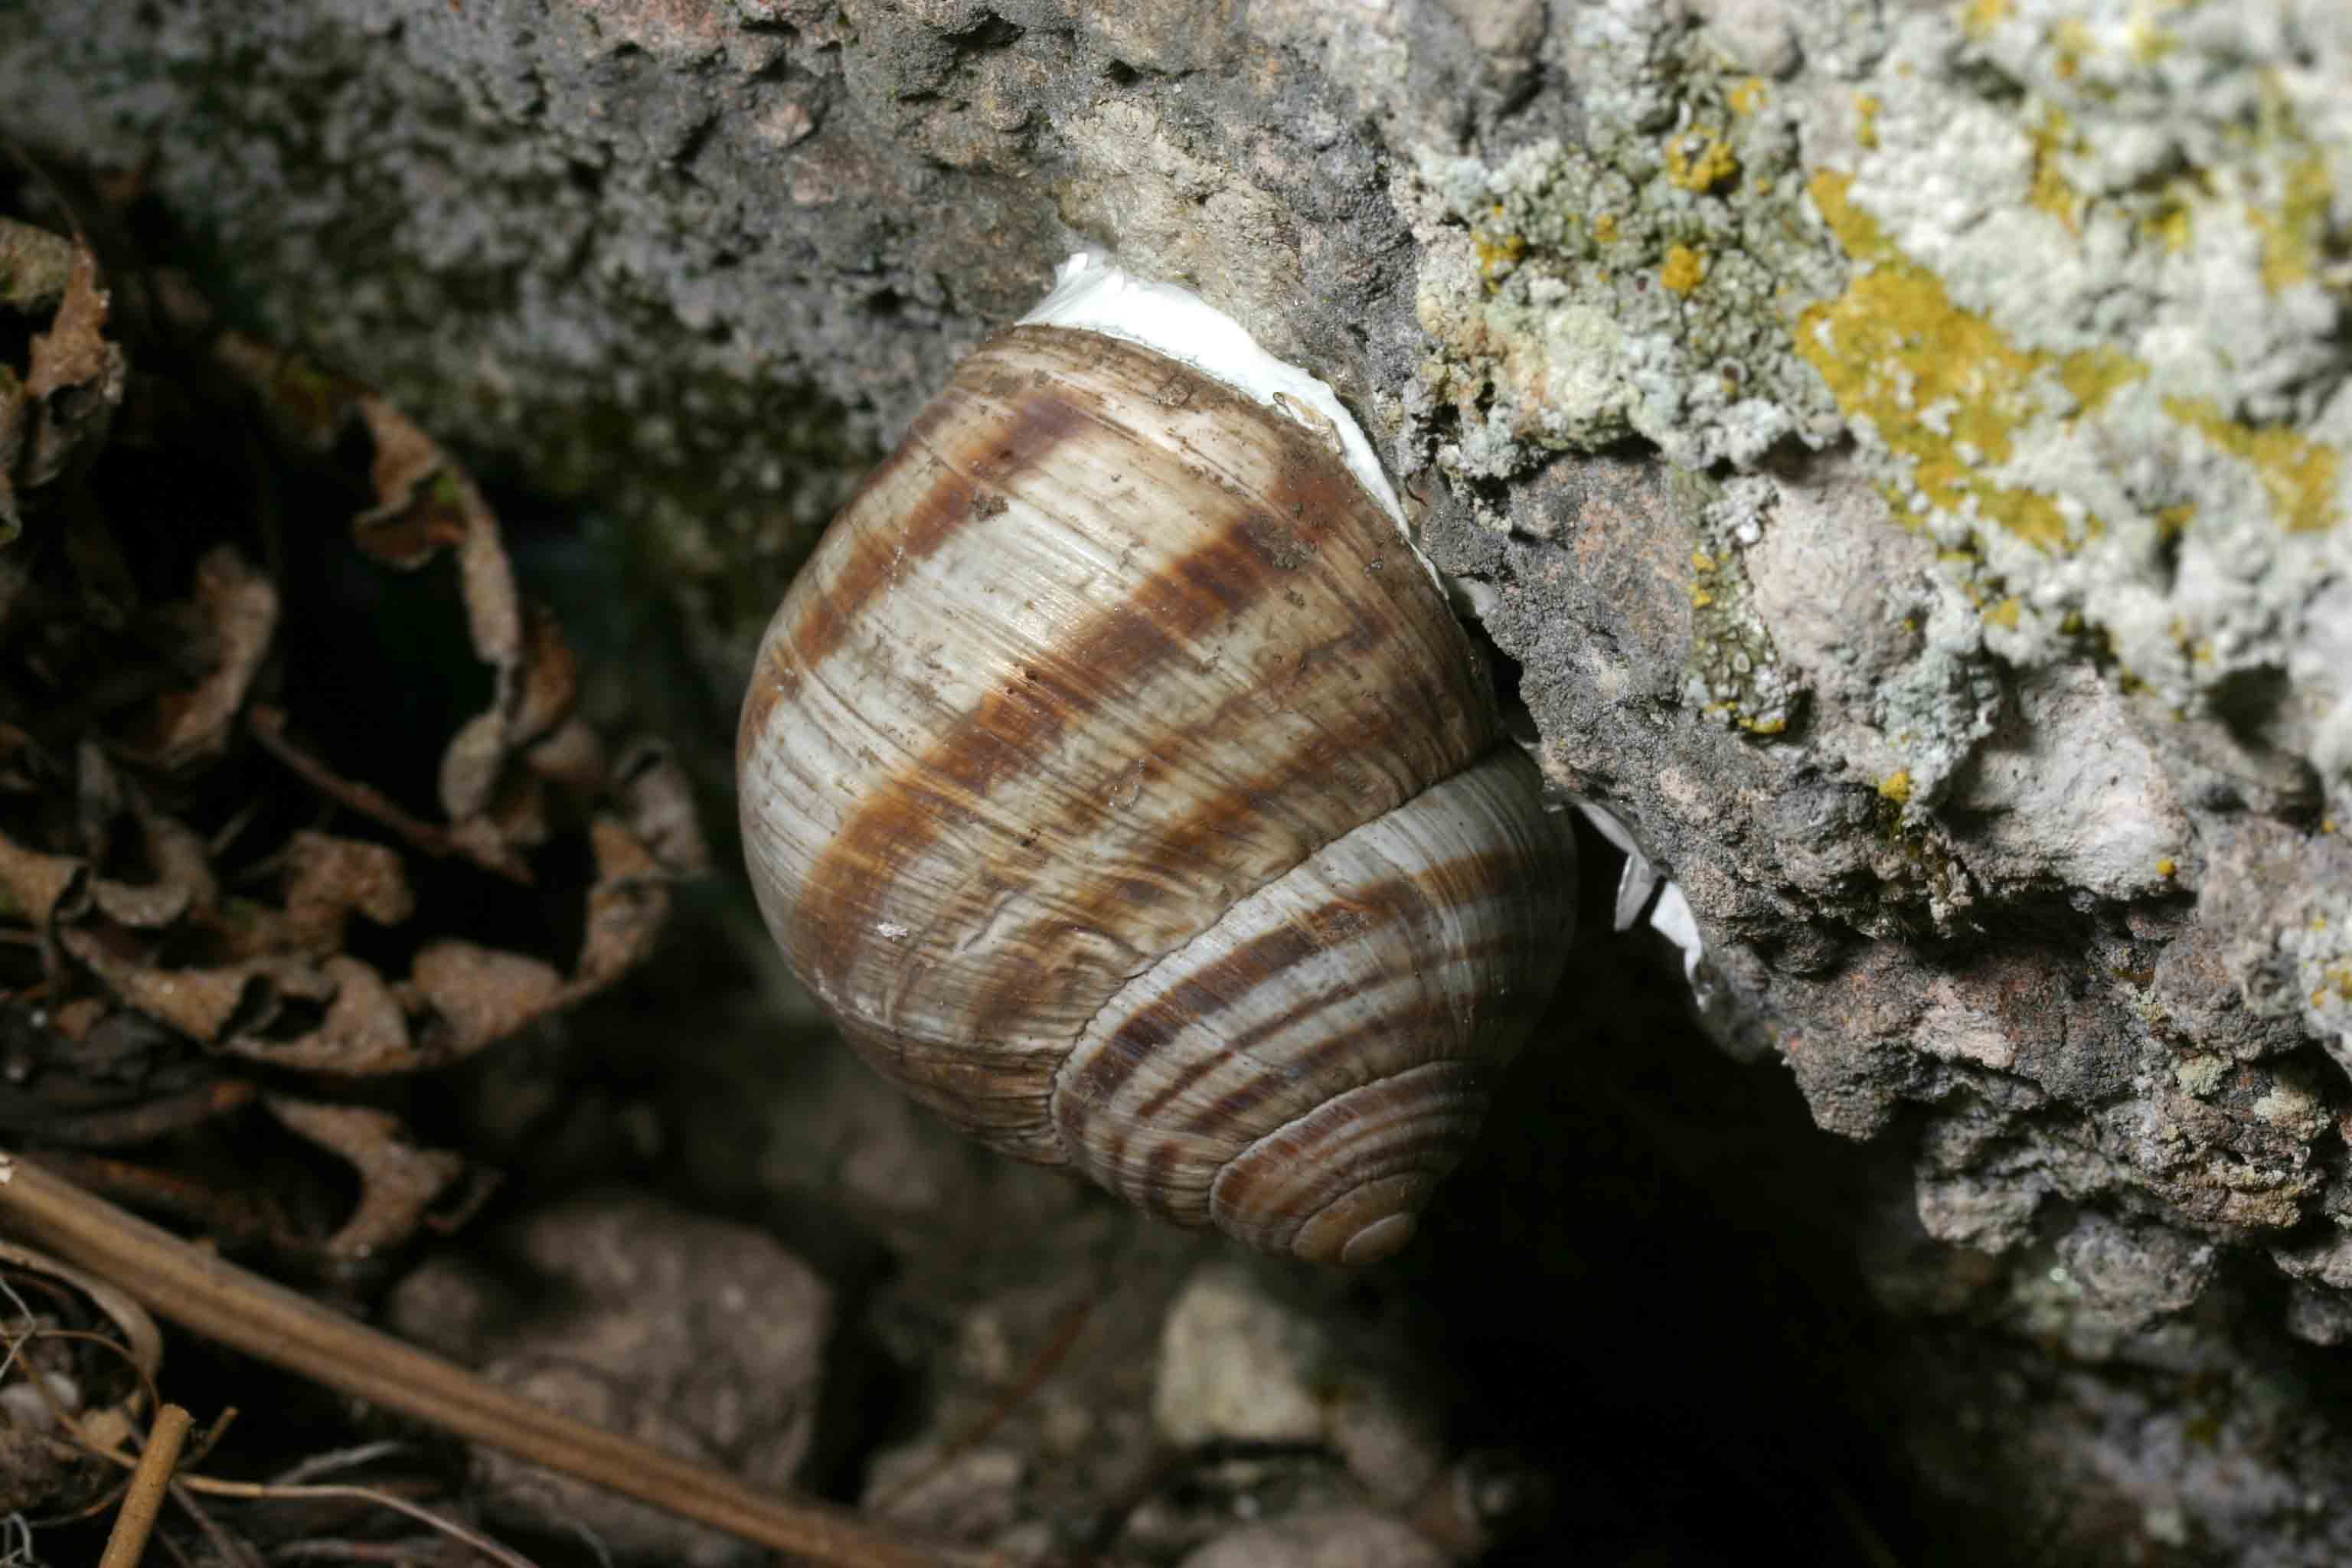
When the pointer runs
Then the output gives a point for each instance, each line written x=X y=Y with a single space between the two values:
x=1631 y=283
x=2070 y=275
x=2318 y=950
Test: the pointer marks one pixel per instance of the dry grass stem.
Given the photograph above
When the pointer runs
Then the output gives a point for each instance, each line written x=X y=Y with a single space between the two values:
x=217 y=1300
x=128 y=1542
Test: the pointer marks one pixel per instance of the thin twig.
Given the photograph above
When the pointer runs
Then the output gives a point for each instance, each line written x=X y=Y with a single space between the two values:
x=334 y=1460
x=268 y=725
x=230 y=1548
x=1041 y=1367
x=221 y=1301
x=404 y=1553
x=187 y=1487
x=127 y=1543
x=255 y=1491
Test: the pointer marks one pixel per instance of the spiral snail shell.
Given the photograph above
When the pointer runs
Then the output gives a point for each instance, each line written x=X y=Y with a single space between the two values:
x=1117 y=776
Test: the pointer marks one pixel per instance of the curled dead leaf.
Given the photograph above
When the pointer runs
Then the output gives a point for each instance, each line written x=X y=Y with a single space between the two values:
x=327 y=878
x=657 y=805
x=38 y=883
x=201 y=1003
x=363 y=1034
x=481 y=994
x=237 y=607
x=398 y=1180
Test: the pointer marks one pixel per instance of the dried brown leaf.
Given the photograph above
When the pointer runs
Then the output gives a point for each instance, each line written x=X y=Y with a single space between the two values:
x=37 y=883
x=657 y=804
x=99 y=798
x=75 y=1019
x=146 y=906
x=239 y=607
x=469 y=767
x=520 y=811
x=327 y=878
x=478 y=841
x=493 y=610
x=199 y=1001
x=35 y=265
x=405 y=459
x=625 y=908
x=572 y=760
x=72 y=384
x=74 y=351
x=307 y=406
x=424 y=503
x=157 y=1114
x=485 y=843
x=482 y=994
x=363 y=1032
x=398 y=1181
x=550 y=679
x=178 y=853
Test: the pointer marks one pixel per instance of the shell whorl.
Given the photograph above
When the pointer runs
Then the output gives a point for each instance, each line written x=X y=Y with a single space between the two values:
x=1122 y=783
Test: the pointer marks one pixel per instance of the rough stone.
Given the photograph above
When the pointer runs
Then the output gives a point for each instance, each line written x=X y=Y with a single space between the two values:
x=693 y=1335
x=1236 y=1364
x=1338 y=1537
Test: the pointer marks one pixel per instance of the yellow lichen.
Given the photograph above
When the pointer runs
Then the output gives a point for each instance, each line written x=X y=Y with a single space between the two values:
x=2005 y=613
x=1700 y=161
x=1896 y=786
x=2294 y=237
x=1865 y=112
x=2170 y=225
x=2149 y=42
x=1746 y=97
x=1604 y=228
x=2095 y=374
x=2167 y=866
x=1944 y=387
x=1702 y=562
x=2073 y=40
x=2298 y=473
x=1764 y=726
x=2050 y=191
x=1497 y=255
x=1983 y=16
x=1685 y=269
x=1700 y=597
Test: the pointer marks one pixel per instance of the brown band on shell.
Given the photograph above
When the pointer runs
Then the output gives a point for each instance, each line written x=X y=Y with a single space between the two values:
x=1354 y=1163
x=1102 y=662
x=839 y=599
x=1202 y=996
x=1249 y=802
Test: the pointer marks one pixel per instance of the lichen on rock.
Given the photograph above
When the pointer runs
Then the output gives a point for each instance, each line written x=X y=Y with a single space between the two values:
x=1631 y=283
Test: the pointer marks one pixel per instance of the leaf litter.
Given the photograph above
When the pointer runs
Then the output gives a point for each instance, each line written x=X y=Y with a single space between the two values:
x=296 y=801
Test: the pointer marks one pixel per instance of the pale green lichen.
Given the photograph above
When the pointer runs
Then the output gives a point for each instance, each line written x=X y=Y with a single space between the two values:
x=1629 y=285
x=1735 y=674
x=2073 y=277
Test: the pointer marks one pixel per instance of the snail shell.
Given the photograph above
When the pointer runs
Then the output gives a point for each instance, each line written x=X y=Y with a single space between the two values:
x=1117 y=776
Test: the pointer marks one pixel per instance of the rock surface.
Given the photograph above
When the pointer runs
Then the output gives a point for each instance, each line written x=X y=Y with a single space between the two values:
x=1901 y=446
x=700 y=1338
